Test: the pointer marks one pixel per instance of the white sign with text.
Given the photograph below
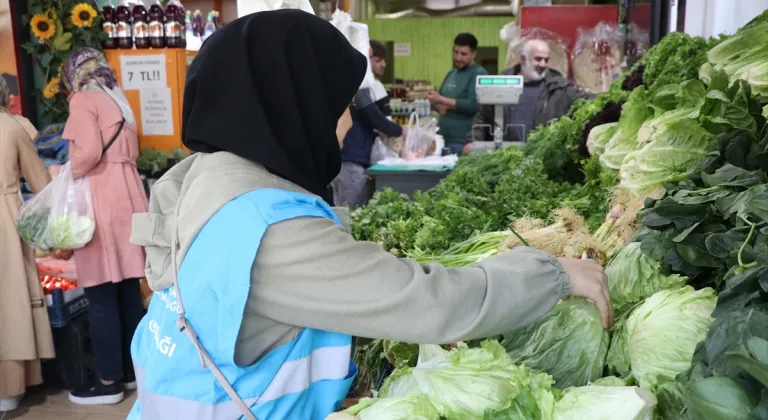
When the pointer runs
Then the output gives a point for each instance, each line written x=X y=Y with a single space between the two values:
x=143 y=72
x=156 y=112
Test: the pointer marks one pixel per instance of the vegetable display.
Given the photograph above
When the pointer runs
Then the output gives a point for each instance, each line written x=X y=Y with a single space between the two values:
x=663 y=180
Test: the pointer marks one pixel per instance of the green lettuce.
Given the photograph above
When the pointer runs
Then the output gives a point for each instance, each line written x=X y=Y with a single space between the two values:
x=634 y=113
x=667 y=158
x=605 y=402
x=70 y=232
x=465 y=383
x=412 y=407
x=688 y=99
x=633 y=276
x=599 y=136
x=663 y=332
x=568 y=343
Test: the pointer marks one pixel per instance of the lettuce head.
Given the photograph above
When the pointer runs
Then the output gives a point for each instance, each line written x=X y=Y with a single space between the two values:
x=633 y=276
x=634 y=113
x=568 y=343
x=599 y=136
x=662 y=333
x=606 y=403
x=465 y=383
x=413 y=407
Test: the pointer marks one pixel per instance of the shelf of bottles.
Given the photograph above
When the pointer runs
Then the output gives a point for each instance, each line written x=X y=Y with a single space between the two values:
x=131 y=25
x=407 y=97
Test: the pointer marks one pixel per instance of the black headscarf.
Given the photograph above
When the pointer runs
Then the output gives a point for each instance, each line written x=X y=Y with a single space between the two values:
x=270 y=87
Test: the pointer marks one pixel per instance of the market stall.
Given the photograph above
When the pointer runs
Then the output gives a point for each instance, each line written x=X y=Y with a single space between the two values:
x=661 y=180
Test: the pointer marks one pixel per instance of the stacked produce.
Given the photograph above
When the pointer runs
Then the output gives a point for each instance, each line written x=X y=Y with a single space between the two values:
x=682 y=167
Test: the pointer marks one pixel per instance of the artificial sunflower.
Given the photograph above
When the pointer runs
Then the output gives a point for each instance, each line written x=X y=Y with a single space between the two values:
x=51 y=88
x=51 y=13
x=42 y=26
x=83 y=15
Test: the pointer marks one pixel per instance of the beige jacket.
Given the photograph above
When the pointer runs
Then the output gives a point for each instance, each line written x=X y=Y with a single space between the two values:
x=310 y=273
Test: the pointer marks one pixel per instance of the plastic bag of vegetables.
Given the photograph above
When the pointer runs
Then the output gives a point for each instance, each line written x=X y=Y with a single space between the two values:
x=71 y=223
x=32 y=221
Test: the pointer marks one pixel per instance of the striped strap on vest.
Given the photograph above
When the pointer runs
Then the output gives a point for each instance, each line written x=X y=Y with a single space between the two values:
x=186 y=328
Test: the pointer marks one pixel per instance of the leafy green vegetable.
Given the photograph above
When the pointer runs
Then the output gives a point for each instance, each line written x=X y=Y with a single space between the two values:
x=33 y=229
x=633 y=276
x=465 y=382
x=662 y=333
x=633 y=114
x=665 y=159
x=569 y=343
x=616 y=402
x=70 y=232
x=413 y=407
x=599 y=137
x=719 y=398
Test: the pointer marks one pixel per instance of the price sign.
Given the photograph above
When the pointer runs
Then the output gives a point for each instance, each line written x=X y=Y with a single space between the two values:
x=143 y=72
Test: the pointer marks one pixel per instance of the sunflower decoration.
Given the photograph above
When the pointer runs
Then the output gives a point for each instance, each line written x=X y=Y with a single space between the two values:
x=51 y=13
x=83 y=15
x=42 y=26
x=51 y=88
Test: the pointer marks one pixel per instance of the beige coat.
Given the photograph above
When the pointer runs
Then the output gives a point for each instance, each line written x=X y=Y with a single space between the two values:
x=25 y=332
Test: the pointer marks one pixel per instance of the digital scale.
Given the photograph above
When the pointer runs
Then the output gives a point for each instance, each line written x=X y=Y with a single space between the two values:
x=500 y=92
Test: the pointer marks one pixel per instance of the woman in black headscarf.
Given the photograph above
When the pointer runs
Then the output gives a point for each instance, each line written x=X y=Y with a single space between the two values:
x=273 y=286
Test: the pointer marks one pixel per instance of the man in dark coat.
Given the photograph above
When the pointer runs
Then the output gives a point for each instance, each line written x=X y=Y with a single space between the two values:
x=547 y=95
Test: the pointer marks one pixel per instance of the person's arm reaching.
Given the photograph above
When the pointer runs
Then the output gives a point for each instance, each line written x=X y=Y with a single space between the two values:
x=309 y=272
x=364 y=102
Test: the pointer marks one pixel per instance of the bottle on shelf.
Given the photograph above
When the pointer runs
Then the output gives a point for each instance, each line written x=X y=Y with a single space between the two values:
x=156 y=25
x=109 y=25
x=198 y=26
x=210 y=27
x=124 y=24
x=174 y=25
x=140 y=26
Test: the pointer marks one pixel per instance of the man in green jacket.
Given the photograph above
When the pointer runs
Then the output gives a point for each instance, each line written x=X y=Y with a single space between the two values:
x=547 y=95
x=457 y=101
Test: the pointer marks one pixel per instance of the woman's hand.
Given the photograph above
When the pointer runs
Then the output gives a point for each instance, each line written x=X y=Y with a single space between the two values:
x=588 y=280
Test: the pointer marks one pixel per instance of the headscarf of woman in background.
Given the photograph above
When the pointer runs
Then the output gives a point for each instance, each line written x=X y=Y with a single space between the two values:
x=5 y=94
x=282 y=112
x=87 y=69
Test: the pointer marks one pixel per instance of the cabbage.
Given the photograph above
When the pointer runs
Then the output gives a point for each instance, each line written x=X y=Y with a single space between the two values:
x=671 y=396
x=599 y=136
x=634 y=113
x=415 y=407
x=568 y=343
x=70 y=232
x=632 y=276
x=465 y=382
x=663 y=332
x=667 y=158
x=605 y=402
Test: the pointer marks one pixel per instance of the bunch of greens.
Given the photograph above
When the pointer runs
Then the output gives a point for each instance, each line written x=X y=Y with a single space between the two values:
x=634 y=113
x=482 y=194
x=33 y=229
x=743 y=56
x=153 y=163
x=707 y=225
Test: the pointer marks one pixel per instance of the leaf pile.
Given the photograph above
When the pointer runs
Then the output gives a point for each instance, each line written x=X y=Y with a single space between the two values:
x=483 y=193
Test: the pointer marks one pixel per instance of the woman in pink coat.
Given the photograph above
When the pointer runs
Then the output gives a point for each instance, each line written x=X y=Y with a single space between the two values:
x=109 y=267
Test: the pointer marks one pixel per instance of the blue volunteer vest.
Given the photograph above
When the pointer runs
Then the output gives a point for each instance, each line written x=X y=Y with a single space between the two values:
x=304 y=379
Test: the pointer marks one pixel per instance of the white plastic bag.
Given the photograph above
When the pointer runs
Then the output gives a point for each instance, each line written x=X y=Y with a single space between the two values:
x=71 y=223
x=420 y=140
x=357 y=34
x=32 y=221
x=381 y=151
x=246 y=7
